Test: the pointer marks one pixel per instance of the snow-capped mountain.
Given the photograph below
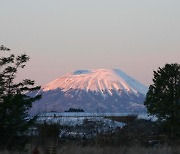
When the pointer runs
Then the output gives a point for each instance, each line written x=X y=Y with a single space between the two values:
x=102 y=90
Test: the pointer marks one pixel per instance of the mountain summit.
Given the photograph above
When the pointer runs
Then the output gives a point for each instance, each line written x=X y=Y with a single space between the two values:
x=105 y=90
x=99 y=80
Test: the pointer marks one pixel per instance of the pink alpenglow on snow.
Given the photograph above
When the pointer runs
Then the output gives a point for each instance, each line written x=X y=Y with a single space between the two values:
x=99 y=80
x=102 y=90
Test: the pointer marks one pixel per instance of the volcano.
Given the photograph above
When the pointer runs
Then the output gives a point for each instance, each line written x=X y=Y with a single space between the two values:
x=95 y=90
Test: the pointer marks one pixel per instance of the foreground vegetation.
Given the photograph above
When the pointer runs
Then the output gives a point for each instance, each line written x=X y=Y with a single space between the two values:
x=138 y=136
x=74 y=149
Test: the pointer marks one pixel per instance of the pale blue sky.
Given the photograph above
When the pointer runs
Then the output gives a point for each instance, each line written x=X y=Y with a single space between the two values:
x=136 y=36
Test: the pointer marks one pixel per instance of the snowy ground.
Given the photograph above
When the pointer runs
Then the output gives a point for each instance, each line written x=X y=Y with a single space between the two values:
x=77 y=118
x=86 y=124
x=84 y=114
x=72 y=119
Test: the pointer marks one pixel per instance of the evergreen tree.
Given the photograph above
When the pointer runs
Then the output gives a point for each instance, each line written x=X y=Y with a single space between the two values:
x=14 y=101
x=163 y=97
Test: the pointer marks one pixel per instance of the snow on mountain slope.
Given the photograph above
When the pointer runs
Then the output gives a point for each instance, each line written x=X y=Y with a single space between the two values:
x=96 y=90
x=98 y=80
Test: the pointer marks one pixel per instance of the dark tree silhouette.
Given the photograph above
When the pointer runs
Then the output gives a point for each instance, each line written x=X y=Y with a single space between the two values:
x=163 y=97
x=74 y=110
x=14 y=103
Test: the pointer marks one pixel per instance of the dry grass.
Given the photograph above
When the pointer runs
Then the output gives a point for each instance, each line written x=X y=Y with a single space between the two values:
x=119 y=150
x=107 y=150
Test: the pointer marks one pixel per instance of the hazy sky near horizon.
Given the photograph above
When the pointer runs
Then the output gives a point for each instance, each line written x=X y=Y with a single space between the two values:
x=60 y=36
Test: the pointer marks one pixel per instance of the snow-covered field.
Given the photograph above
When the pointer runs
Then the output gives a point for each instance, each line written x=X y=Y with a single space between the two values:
x=77 y=118
x=85 y=124
x=72 y=119
x=85 y=114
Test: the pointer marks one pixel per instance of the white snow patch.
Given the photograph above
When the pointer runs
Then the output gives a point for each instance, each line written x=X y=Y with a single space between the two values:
x=99 y=80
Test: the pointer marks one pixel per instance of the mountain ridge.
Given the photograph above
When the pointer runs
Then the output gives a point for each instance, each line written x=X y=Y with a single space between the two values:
x=96 y=80
x=105 y=90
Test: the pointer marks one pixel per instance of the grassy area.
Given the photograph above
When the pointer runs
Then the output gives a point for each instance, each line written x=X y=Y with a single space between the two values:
x=73 y=149
x=137 y=137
